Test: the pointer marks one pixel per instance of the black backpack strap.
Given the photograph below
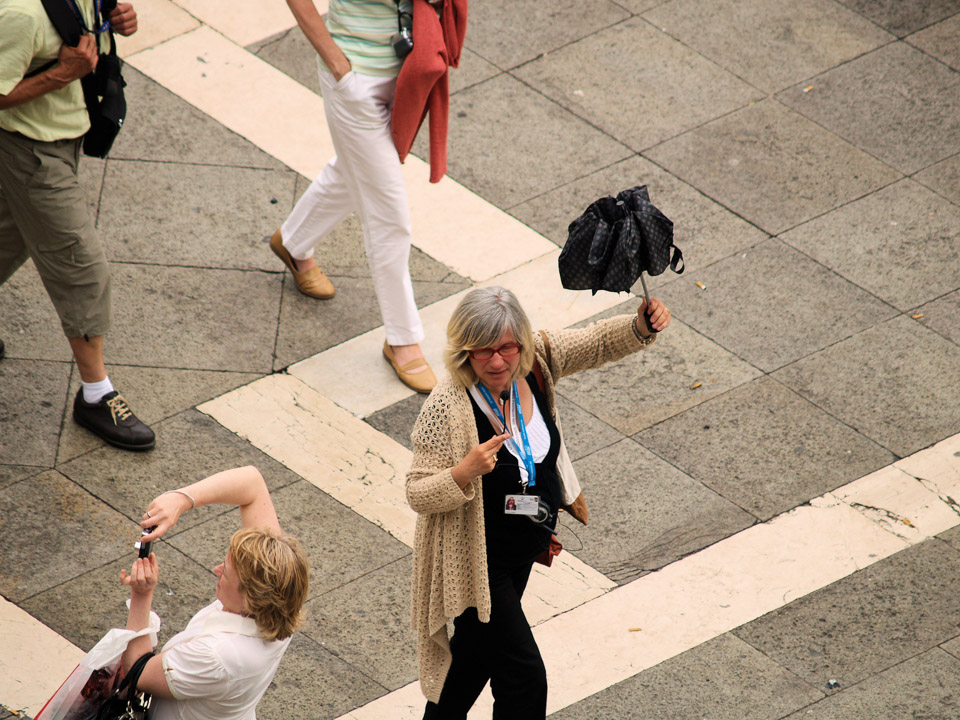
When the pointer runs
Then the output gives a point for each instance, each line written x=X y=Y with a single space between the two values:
x=66 y=25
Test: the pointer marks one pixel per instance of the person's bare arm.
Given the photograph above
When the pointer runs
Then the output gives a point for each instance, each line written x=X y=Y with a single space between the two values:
x=312 y=25
x=72 y=64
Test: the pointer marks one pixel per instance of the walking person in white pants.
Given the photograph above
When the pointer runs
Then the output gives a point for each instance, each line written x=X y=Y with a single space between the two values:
x=358 y=70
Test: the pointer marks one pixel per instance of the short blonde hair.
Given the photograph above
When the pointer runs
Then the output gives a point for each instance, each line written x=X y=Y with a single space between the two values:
x=479 y=321
x=274 y=578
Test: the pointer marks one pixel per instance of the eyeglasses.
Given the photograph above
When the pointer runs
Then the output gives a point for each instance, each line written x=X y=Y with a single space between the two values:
x=504 y=351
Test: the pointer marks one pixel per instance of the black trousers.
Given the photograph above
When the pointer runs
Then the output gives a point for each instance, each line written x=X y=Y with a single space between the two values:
x=502 y=651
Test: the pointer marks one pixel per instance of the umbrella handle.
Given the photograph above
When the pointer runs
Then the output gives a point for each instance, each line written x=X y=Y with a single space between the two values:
x=646 y=295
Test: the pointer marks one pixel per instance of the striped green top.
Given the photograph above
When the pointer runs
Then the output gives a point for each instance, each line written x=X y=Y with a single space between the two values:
x=362 y=30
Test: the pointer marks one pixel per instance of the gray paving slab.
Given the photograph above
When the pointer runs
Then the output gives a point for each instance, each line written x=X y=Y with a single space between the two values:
x=510 y=33
x=43 y=521
x=901 y=244
x=312 y=684
x=291 y=53
x=896 y=383
x=772 y=166
x=609 y=80
x=772 y=305
x=764 y=448
x=951 y=536
x=943 y=178
x=366 y=623
x=10 y=474
x=193 y=215
x=163 y=127
x=897 y=87
x=644 y=513
x=397 y=420
x=31 y=407
x=922 y=687
x=190 y=446
x=952 y=647
x=788 y=42
x=867 y=622
x=903 y=18
x=940 y=40
x=83 y=609
x=194 y=318
x=513 y=144
x=652 y=385
x=31 y=329
x=583 y=433
x=722 y=679
x=473 y=69
x=154 y=394
x=704 y=230
x=337 y=540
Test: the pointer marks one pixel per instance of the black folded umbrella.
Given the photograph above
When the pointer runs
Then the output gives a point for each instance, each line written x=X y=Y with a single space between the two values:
x=615 y=241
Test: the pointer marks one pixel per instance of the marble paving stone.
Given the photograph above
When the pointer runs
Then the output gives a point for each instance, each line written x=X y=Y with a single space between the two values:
x=760 y=304
x=910 y=400
x=34 y=558
x=901 y=244
x=397 y=420
x=924 y=686
x=764 y=448
x=509 y=138
x=910 y=601
x=903 y=18
x=31 y=406
x=943 y=178
x=772 y=166
x=366 y=623
x=510 y=33
x=643 y=389
x=337 y=541
x=789 y=42
x=154 y=394
x=943 y=316
x=191 y=317
x=190 y=446
x=10 y=474
x=195 y=215
x=290 y=52
x=608 y=80
x=896 y=87
x=83 y=609
x=703 y=230
x=31 y=328
x=645 y=514
x=583 y=433
x=723 y=679
x=244 y=23
x=940 y=40
x=163 y=127
x=313 y=684
x=157 y=21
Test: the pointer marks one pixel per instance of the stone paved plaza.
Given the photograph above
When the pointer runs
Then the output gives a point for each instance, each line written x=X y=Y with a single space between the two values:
x=804 y=405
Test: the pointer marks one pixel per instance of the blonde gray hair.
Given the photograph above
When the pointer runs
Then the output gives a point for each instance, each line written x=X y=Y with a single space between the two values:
x=479 y=321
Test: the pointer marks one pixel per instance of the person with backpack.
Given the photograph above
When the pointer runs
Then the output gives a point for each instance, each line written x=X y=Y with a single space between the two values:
x=43 y=214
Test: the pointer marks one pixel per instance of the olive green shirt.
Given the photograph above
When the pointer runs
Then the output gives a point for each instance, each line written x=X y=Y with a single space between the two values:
x=28 y=41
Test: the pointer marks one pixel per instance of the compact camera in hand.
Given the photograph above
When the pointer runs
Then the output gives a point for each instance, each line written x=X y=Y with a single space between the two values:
x=402 y=42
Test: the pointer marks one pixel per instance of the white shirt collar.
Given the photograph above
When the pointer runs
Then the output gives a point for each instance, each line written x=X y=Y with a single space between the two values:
x=223 y=621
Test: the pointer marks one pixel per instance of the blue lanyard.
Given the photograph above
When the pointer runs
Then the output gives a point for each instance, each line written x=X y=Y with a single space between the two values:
x=526 y=454
x=96 y=17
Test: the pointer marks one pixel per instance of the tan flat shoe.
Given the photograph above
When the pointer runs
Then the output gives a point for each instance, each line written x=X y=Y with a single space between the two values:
x=422 y=381
x=314 y=282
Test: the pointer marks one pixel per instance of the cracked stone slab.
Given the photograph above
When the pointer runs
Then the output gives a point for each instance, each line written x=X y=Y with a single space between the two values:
x=897 y=87
x=772 y=166
x=901 y=243
x=910 y=600
x=788 y=42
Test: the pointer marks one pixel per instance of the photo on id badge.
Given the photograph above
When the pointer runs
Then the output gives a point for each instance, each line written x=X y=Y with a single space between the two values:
x=521 y=505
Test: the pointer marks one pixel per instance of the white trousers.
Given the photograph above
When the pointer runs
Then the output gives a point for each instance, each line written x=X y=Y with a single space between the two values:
x=364 y=178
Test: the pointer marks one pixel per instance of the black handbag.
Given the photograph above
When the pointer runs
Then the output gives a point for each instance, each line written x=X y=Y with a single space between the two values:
x=615 y=240
x=129 y=705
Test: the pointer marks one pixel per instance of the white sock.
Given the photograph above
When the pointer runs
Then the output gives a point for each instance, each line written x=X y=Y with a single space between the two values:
x=93 y=392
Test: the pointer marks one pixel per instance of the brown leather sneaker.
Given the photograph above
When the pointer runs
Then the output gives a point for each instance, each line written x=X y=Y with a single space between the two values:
x=313 y=282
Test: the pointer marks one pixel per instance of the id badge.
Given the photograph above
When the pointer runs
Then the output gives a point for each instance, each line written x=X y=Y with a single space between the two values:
x=521 y=505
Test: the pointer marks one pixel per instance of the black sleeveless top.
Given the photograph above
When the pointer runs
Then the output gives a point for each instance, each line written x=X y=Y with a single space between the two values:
x=516 y=539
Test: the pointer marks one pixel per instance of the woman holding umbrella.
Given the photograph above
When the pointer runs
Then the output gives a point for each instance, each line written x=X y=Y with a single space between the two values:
x=219 y=667
x=489 y=474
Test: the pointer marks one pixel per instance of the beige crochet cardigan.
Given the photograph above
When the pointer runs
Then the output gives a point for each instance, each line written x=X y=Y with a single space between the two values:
x=449 y=551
